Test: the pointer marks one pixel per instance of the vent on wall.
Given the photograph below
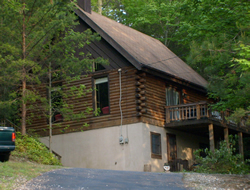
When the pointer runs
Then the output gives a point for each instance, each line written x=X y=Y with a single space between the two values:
x=147 y=167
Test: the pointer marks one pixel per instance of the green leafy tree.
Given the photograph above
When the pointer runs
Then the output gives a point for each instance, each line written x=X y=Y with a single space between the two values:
x=212 y=29
x=64 y=66
x=38 y=38
x=218 y=33
x=157 y=18
x=223 y=160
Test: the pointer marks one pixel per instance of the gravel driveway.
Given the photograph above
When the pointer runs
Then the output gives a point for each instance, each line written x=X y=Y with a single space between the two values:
x=217 y=181
x=81 y=178
x=93 y=179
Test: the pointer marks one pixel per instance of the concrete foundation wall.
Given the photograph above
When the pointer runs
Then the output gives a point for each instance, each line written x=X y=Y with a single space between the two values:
x=100 y=148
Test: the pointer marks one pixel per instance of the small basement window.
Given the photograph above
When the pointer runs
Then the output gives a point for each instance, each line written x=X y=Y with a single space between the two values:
x=102 y=95
x=156 y=145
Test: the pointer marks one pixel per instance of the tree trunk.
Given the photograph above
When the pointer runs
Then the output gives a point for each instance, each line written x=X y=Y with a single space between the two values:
x=50 y=110
x=24 y=109
x=166 y=35
x=99 y=7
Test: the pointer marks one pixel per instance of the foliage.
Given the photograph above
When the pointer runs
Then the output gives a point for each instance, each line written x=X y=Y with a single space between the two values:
x=30 y=148
x=218 y=35
x=38 y=39
x=230 y=87
x=206 y=19
x=110 y=8
x=223 y=160
x=214 y=29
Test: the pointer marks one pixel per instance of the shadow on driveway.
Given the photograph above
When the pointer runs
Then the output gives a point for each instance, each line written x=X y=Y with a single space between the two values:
x=94 y=179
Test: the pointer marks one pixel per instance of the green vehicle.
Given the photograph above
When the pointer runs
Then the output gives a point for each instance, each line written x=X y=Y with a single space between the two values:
x=7 y=142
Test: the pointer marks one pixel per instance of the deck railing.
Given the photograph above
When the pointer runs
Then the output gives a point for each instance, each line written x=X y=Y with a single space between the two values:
x=197 y=111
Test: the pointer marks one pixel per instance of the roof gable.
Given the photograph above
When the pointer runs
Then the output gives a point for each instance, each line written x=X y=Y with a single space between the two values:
x=140 y=49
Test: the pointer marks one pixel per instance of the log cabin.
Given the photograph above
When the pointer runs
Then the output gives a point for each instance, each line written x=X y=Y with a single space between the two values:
x=154 y=108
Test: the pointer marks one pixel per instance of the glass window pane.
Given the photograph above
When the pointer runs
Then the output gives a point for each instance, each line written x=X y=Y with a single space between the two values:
x=102 y=95
x=172 y=97
x=156 y=143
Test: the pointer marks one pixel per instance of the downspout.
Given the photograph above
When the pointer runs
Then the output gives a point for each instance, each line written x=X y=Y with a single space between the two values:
x=121 y=141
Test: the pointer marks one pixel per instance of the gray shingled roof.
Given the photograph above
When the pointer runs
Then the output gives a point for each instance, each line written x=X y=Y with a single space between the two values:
x=140 y=49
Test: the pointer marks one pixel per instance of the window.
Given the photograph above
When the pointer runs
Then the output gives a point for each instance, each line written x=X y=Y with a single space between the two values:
x=172 y=97
x=156 y=145
x=102 y=95
x=98 y=67
x=56 y=102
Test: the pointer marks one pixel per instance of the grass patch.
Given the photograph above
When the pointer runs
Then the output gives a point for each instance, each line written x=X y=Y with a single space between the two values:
x=30 y=159
x=14 y=174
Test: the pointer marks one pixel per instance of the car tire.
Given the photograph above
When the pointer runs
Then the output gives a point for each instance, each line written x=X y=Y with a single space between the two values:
x=5 y=157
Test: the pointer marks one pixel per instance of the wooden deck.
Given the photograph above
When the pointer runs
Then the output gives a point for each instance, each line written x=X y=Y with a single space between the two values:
x=199 y=111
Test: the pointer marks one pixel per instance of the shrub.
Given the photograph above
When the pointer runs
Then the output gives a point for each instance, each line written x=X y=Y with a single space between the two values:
x=31 y=148
x=223 y=160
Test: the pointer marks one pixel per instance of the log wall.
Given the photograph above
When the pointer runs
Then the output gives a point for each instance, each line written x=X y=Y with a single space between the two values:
x=39 y=123
x=143 y=100
x=156 y=99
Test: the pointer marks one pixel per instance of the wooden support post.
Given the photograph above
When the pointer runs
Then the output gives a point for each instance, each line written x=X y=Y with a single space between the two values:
x=240 y=143
x=222 y=113
x=211 y=136
x=226 y=136
x=209 y=112
x=198 y=111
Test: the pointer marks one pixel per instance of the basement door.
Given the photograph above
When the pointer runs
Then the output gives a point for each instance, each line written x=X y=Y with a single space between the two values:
x=171 y=146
